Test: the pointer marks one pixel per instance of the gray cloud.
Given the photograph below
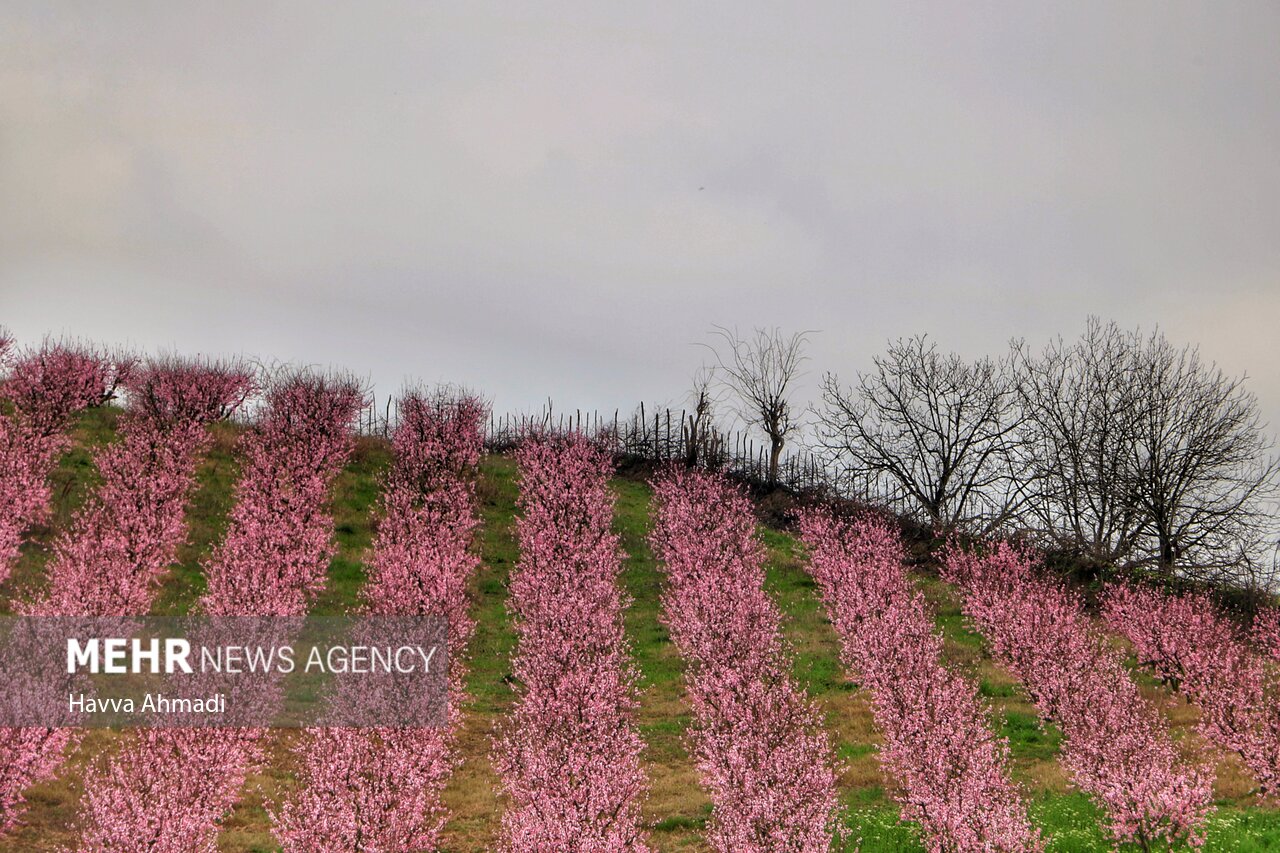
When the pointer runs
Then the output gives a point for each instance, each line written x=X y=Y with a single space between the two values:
x=557 y=202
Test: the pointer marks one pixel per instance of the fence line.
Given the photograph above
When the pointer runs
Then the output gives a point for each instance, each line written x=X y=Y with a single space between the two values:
x=650 y=434
x=655 y=434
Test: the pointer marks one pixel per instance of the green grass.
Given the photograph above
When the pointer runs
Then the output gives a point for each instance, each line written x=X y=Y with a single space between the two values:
x=355 y=498
x=206 y=524
x=677 y=806
x=677 y=809
x=72 y=479
x=471 y=795
x=488 y=683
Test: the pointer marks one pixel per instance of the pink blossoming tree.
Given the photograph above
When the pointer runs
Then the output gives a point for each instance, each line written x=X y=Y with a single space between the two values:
x=1266 y=631
x=757 y=737
x=1116 y=746
x=569 y=755
x=42 y=392
x=952 y=768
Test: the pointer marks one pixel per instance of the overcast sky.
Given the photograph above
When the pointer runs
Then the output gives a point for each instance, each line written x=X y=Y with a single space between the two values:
x=558 y=202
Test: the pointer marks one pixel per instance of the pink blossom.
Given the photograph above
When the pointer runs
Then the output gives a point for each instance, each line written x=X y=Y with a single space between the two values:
x=167 y=788
x=1266 y=631
x=757 y=738
x=370 y=790
x=128 y=531
x=1206 y=654
x=569 y=755
x=438 y=436
x=380 y=789
x=278 y=544
x=45 y=389
x=1116 y=747
x=28 y=756
x=48 y=385
x=939 y=743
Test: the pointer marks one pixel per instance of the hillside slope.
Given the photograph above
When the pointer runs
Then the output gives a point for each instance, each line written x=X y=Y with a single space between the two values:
x=676 y=807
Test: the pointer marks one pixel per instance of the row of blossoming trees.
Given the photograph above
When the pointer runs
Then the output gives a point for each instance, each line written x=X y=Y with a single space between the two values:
x=166 y=788
x=758 y=739
x=767 y=768
x=1116 y=746
x=939 y=742
x=569 y=755
x=1207 y=654
x=45 y=388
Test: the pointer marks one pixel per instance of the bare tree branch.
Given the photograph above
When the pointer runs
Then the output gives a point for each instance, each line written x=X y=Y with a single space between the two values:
x=760 y=371
x=1146 y=458
x=931 y=434
x=703 y=443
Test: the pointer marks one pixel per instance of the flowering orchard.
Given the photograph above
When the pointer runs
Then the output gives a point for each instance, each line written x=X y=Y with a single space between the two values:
x=118 y=544
x=588 y=709
x=280 y=537
x=379 y=789
x=569 y=755
x=757 y=738
x=128 y=532
x=1266 y=632
x=939 y=744
x=1116 y=747
x=44 y=389
x=1205 y=653
x=167 y=788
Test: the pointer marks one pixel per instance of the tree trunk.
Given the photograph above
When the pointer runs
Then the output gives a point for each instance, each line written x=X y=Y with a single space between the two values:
x=692 y=439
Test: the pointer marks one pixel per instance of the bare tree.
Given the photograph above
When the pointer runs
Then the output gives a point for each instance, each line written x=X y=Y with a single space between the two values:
x=760 y=371
x=1201 y=465
x=699 y=432
x=1079 y=407
x=1147 y=459
x=931 y=433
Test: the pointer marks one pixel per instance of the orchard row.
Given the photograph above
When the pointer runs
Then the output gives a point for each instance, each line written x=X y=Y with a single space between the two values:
x=569 y=757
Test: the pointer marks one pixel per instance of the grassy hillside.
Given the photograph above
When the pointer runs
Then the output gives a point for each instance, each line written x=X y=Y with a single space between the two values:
x=676 y=807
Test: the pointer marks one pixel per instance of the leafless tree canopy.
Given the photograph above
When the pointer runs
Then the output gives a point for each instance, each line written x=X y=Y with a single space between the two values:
x=1079 y=425
x=1146 y=458
x=1200 y=462
x=760 y=371
x=699 y=433
x=1119 y=448
x=930 y=434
